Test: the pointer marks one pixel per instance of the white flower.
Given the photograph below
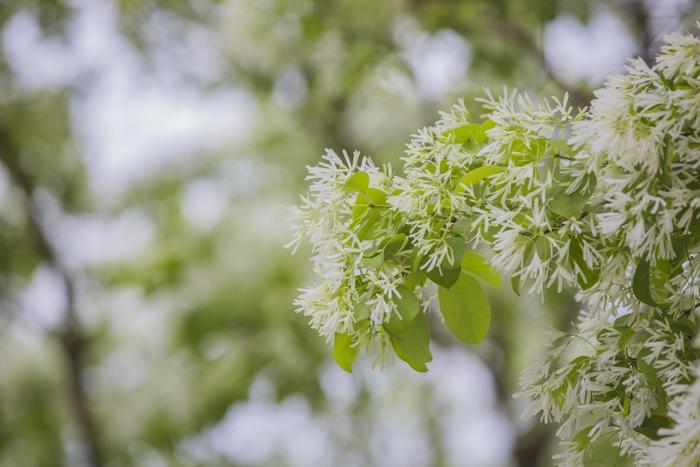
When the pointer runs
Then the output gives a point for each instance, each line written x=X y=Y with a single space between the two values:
x=567 y=200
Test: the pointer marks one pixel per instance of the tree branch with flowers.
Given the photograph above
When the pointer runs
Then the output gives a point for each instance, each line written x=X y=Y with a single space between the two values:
x=605 y=200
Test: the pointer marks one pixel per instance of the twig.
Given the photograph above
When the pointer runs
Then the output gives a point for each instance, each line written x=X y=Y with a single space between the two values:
x=71 y=336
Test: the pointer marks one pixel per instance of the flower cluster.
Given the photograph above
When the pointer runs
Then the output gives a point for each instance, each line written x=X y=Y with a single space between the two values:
x=641 y=142
x=329 y=218
x=605 y=200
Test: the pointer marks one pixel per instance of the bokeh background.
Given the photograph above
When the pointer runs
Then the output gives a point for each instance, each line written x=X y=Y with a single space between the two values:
x=149 y=151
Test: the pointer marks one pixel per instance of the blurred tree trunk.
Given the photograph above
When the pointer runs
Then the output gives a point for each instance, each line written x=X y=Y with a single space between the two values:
x=71 y=336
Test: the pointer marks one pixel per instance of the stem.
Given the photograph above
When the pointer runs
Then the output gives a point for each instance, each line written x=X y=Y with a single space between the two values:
x=71 y=336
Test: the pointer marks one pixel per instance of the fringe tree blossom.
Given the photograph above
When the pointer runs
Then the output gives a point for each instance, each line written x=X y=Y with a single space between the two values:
x=604 y=200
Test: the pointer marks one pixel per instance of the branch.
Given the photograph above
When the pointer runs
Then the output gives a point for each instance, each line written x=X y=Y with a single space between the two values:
x=72 y=339
x=638 y=19
x=523 y=39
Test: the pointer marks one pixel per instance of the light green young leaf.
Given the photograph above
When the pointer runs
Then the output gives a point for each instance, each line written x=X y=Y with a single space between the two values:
x=522 y=153
x=367 y=224
x=376 y=198
x=570 y=204
x=366 y=212
x=375 y=261
x=460 y=134
x=466 y=309
x=408 y=308
x=566 y=205
x=475 y=264
x=343 y=351
x=361 y=310
x=360 y=208
x=474 y=176
x=371 y=199
x=357 y=183
x=470 y=132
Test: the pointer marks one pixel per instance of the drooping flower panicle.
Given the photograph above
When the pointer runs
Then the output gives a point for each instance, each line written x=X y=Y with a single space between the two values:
x=604 y=200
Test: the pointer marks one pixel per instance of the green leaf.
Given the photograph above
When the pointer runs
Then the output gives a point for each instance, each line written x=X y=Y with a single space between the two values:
x=582 y=436
x=466 y=310
x=649 y=284
x=570 y=204
x=366 y=212
x=357 y=183
x=521 y=154
x=343 y=351
x=360 y=208
x=479 y=135
x=444 y=276
x=461 y=226
x=461 y=134
x=542 y=246
x=641 y=283
x=448 y=273
x=417 y=260
x=371 y=199
x=607 y=396
x=413 y=346
x=694 y=229
x=475 y=264
x=626 y=406
x=486 y=125
x=654 y=381
x=362 y=325
x=561 y=145
x=367 y=224
x=455 y=135
x=361 y=310
x=580 y=361
x=515 y=283
x=377 y=198
x=415 y=278
x=476 y=175
x=394 y=246
x=655 y=384
x=590 y=276
x=458 y=246
x=683 y=326
x=651 y=425
x=407 y=307
x=659 y=278
x=622 y=321
x=375 y=261
x=475 y=132
x=566 y=205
